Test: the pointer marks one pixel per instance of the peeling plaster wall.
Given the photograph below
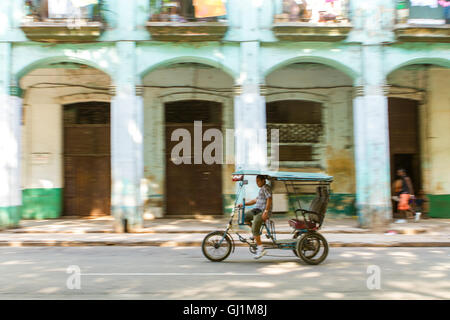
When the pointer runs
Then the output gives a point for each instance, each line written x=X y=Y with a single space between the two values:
x=336 y=154
x=438 y=143
x=439 y=132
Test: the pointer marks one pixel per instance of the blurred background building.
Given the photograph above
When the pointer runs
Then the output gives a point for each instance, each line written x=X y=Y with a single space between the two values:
x=91 y=91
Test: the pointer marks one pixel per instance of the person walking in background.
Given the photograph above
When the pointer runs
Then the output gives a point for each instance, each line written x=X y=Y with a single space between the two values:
x=421 y=205
x=404 y=191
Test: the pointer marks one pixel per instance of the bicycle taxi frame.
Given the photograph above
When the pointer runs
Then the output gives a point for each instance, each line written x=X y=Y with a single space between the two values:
x=306 y=242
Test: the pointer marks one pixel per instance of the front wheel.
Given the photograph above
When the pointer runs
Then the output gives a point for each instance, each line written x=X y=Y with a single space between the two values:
x=217 y=246
x=312 y=248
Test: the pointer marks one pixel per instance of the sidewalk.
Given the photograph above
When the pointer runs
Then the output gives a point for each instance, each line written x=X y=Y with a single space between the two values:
x=190 y=232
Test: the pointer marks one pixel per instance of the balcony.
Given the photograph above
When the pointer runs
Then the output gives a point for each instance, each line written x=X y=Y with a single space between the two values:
x=187 y=20
x=416 y=22
x=57 y=21
x=312 y=20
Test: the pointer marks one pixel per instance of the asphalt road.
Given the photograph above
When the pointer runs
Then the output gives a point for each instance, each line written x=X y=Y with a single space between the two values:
x=183 y=273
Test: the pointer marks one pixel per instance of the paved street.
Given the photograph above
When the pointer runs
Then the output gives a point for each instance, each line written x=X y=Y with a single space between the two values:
x=183 y=273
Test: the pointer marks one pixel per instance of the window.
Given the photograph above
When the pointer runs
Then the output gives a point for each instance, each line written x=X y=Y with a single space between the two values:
x=300 y=128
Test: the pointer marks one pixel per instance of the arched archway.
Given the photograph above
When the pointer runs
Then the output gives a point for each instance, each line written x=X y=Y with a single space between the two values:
x=419 y=111
x=189 y=60
x=347 y=70
x=48 y=62
x=436 y=61
x=176 y=95
x=66 y=139
x=312 y=103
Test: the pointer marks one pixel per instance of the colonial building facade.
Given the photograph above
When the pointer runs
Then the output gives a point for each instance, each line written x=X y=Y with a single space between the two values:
x=91 y=92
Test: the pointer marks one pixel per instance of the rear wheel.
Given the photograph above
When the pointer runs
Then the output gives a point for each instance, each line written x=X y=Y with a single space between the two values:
x=312 y=248
x=217 y=246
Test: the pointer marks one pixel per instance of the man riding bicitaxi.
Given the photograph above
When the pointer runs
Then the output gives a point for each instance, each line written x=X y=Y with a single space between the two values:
x=260 y=213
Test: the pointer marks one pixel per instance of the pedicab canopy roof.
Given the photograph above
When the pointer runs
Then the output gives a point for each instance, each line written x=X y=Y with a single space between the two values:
x=284 y=175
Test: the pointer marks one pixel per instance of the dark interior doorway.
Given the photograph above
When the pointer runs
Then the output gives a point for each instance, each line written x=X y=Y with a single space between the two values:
x=192 y=189
x=87 y=159
x=404 y=139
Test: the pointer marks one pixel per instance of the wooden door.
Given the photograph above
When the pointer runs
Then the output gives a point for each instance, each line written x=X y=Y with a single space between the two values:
x=87 y=160
x=192 y=189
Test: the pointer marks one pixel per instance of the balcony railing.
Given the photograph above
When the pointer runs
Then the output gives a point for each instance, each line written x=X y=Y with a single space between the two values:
x=62 y=20
x=187 y=20
x=312 y=20
x=424 y=21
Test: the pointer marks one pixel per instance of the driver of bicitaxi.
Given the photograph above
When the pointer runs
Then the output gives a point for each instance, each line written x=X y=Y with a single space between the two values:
x=261 y=212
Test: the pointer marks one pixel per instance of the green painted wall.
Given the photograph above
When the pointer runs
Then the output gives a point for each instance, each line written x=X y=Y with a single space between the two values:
x=439 y=206
x=339 y=203
x=9 y=217
x=42 y=203
x=228 y=203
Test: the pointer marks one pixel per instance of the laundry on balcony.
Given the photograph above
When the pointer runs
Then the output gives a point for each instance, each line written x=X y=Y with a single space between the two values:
x=429 y=12
x=41 y=10
x=424 y=3
x=187 y=10
x=209 y=8
x=59 y=21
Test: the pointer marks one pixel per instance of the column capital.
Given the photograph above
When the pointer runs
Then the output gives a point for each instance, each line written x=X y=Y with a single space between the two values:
x=382 y=90
x=112 y=90
x=263 y=90
x=358 y=91
x=15 y=91
x=139 y=90
x=239 y=89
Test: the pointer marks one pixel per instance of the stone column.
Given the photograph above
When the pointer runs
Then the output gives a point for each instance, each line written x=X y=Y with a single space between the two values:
x=10 y=143
x=250 y=116
x=126 y=143
x=371 y=124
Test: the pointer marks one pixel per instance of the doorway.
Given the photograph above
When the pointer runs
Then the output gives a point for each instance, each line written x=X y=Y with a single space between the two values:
x=87 y=159
x=404 y=139
x=192 y=189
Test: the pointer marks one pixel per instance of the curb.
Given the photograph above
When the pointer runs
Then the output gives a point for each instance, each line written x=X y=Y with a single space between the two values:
x=336 y=244
x=399 y=231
